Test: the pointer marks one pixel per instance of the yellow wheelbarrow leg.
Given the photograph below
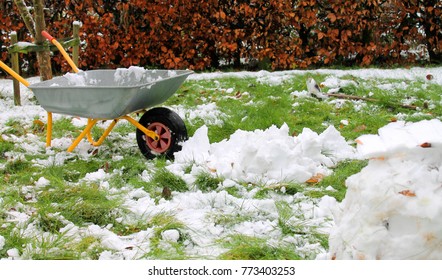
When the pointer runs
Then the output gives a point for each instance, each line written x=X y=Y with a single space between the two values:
x=149 y=133
x=91 y=122
x=105 y=134
x=87 y=130
x=49 y=130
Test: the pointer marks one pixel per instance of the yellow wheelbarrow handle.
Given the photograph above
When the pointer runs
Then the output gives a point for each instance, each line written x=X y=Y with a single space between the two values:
x=14 y=74
x=61 y=49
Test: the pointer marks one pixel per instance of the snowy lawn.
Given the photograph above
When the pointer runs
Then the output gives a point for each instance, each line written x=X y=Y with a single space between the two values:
x=263 y=175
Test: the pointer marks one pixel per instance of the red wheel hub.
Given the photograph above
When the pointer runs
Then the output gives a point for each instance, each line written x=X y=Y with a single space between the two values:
x=165 y=140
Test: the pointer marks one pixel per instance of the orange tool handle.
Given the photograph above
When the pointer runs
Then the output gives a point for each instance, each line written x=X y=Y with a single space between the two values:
x=47 y=36
x=61 y=49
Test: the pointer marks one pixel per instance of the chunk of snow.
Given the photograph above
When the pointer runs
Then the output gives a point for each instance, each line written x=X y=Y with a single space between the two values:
x=171 y=235
x=42 y=182
x=392 y=207
x=265 y=156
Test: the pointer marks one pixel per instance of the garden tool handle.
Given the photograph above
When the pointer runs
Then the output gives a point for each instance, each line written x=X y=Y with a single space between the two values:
x=14 y=74
x=61 y=49
x=47 y=36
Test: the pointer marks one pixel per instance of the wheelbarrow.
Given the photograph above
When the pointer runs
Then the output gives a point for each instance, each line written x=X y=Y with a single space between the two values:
x=100 y=95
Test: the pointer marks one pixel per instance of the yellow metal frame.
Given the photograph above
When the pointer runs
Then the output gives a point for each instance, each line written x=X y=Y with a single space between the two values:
x=86 y=133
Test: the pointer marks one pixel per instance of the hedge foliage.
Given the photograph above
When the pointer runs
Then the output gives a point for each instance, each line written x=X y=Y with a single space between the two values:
x=277 y=34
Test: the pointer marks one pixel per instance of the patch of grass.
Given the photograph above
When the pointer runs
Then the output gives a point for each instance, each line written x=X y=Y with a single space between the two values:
x=262 y=193
x=230 y=219
x=243 y=247
x=131 y=166
x=89 y=246
x=10 y=197
x=164 y=178
x=60 y=247
x=15 y=127
x=51 y=248
x=207 y=182
x=127 y=229
x=285 y=213
x=162 y=249
x=13 y=240
x=5 y=146
x=291 y=189
x=233 y=191
x=337 y=179
x=164 y=221
x=280 y=188
x=124 y=128
x=70 y=171
x=17 y=171
x=81 y=204
x=16 y=166
x=63 y=127
x=321 y=238
x=49 y=222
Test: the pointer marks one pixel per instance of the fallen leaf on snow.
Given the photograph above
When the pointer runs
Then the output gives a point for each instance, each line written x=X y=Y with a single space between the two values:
x=407 y=193
x=39 y=122
x=315 y=179
x=426 y=145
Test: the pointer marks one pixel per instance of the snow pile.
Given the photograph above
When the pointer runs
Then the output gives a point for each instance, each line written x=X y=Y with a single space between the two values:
x=265 y=156
x=123 y=73
x=135 y=75
x=392 y=208
x=76 y=79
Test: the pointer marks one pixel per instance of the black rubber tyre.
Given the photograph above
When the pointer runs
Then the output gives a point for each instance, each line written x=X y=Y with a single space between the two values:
x=169 y=126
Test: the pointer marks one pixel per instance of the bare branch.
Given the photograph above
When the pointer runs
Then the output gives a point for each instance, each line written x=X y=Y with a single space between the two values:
x=26 y=15
x=39 y=21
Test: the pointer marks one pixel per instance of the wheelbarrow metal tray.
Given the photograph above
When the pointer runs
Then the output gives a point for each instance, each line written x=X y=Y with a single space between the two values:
x=108 y=94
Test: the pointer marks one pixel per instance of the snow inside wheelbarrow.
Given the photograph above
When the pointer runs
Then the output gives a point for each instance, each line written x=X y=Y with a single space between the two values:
x=108 y=94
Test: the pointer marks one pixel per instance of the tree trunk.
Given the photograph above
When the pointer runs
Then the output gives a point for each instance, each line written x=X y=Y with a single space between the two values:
x=44 y=57
x=35 y=26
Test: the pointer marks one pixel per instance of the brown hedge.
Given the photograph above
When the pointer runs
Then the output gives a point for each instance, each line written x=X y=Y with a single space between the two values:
x=201 y=35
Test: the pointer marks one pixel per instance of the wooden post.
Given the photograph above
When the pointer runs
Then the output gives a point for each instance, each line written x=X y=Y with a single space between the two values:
x=16 y=68
x=76 y=48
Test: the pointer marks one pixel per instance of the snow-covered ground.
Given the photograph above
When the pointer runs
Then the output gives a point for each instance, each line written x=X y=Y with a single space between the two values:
x=392 y=209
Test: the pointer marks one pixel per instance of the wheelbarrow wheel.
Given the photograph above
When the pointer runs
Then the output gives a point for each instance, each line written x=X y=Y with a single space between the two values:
x=169 y=126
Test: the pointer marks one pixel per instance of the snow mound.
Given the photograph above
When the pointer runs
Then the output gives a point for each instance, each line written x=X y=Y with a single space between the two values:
x=399 y=137
x=392 y=208
x=265 y=156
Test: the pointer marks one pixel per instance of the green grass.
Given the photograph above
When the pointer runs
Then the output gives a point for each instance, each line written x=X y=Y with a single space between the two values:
x=207 y=182
x=5 y=146
x=64 y=128
x=68 y=199
x=80 y=204
x=243 y=247
x=163 y=249
x=164 y=178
